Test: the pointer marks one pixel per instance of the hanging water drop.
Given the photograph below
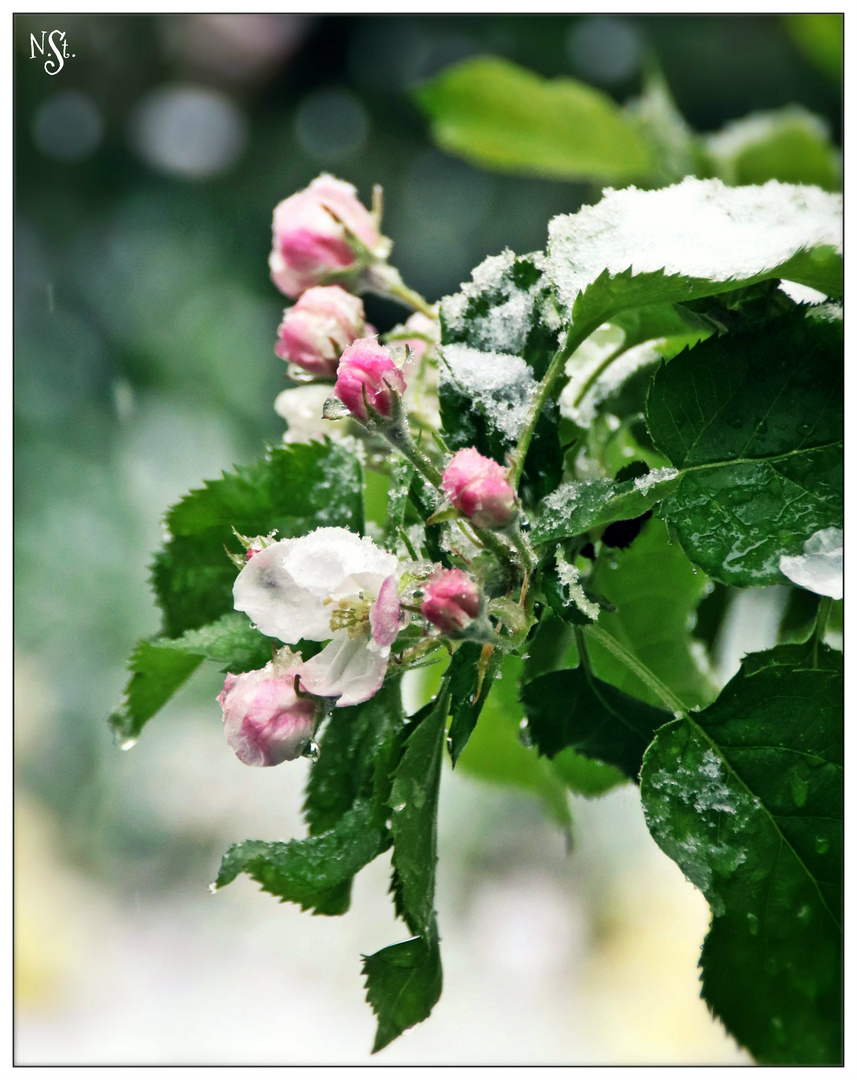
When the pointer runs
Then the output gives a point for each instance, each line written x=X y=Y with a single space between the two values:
x=127 y=744
x=313 y=751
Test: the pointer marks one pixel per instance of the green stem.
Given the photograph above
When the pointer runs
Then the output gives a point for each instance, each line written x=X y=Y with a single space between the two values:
x=637 y=667
x=400 y=437
x=396 y=288
x=598 y=372
x=575 y=338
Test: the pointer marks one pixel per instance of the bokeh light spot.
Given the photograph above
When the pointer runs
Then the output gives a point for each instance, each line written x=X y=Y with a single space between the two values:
x=68 y=126
x=604 y=50
x=188 y=131
x=331 y=125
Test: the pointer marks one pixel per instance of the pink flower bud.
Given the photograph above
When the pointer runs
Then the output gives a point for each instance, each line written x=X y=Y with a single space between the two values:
x=477 y=486
x=313 y=333
x=451 y=601
x=368 y=376
x=265 y=721
x=313 y=235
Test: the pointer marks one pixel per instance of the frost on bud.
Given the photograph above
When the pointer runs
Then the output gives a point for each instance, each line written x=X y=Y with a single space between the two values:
x=265 y=720
x=315 y=331
x=477 y=486
x=367 y=378
x=451 y=601
x=321 y=233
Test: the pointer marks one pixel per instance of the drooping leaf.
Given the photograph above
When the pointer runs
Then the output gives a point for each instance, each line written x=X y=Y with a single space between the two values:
x=359 y=748
x=315 y=872
x=754 y=423
x=747 y=797
x=161 y=666
x=575 y=709
x=156 y=674
x=413 y=798
x=296 y=489
x=655 y=591
x=404 y=981
x=693 y=239
x=468 y=691
x=403 y=984
x=503 y=117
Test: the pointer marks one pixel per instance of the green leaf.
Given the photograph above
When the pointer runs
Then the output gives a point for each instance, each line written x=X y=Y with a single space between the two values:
x=464 y=682
x=495 y=753
x=655 y=591
x=498 y=336
x=160 y=666
x=577 y=506
x=414 y=796
x=403 y=984
x=501 y=116
x=585 y=776
x=156 y=674
x=790 y=144
x=820 y=38
x=754 y=423
x=315 y=872
x=296 y=489
x=359 y=748
x=747 y=798
x=404 y=981
x=574 y=709
x=401 y=477
x=697 y=238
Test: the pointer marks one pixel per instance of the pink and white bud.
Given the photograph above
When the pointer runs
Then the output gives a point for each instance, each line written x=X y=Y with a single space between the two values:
x=265 y=721
x=451 y=601
x=315 y=232
x=477 y=486
x=315 y=331
x=368 y=376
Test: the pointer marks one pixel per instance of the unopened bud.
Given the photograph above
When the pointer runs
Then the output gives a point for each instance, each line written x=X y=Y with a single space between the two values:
x=315 y=331
x=321 y=233
x=266 y=722
x=477 y=486
x=367 y=378
x=451 y=601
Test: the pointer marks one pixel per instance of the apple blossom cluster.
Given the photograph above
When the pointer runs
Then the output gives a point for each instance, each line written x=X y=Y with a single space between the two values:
x=333 y=587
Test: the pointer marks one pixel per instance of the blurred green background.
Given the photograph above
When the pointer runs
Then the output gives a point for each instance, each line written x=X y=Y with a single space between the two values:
x=146 y=171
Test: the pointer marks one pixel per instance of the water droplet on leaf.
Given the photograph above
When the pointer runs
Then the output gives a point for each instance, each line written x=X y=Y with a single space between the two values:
x=127 y=744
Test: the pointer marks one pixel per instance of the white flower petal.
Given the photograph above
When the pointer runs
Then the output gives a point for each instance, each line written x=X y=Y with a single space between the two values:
x=345 y=668
x=267 y=592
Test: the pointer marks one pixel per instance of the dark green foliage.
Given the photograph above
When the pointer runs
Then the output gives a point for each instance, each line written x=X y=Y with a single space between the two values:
x=575 y=709
x=403 y=984
x=747 y=797
x=465 y=681
x=316 y=872
x=754 y=422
